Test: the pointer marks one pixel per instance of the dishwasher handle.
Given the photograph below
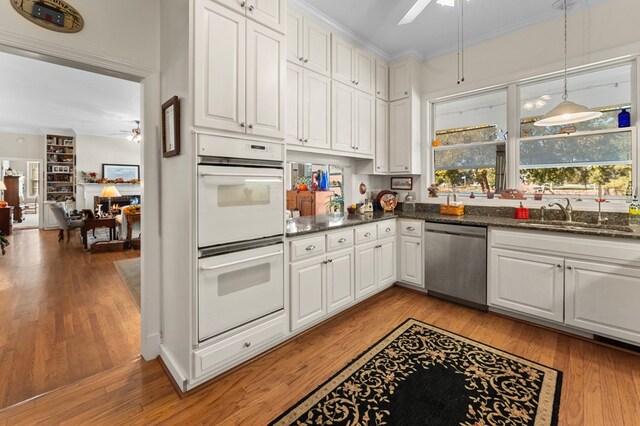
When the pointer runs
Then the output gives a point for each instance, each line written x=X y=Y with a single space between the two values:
x=457 y=230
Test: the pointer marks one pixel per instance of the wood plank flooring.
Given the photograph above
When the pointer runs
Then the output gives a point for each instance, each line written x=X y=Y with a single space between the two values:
x=601 y=385
x=65 y=315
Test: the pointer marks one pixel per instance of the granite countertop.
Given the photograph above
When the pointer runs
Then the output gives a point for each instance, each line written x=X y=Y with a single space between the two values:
x=320 y=223
x=326 y=222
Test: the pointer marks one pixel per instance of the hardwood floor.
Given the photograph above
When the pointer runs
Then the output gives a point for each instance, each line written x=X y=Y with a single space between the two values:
x=65 y=315
x=601 y=385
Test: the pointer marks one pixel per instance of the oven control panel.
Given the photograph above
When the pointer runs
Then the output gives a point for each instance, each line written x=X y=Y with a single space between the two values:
x=218 y=146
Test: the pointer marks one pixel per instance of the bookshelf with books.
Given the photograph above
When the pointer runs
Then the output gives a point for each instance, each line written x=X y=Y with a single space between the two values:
x=59 y=174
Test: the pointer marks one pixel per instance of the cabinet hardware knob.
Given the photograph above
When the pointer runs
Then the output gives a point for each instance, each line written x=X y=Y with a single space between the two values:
x=251 y=8
x=559 y=265
x=242 y=124
x=378 y=92
x=306 y=60
x=406 y=93
x=411 y=228
x=342 y=240
x=324 y=262
x=367 y=235
x=330 y=261
x=388 y=230
x=251 y=126
x=357 y=82
x=306 y=140
x=301 y=59
x=378 y=167
x=311 y=247
x=301 y=140
x=569 y=267
x=406 y=168
x=243 y=4
x=418 y=243
x=247 y=344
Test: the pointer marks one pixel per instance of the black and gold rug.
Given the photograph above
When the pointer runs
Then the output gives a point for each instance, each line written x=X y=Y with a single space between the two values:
x=422 y=375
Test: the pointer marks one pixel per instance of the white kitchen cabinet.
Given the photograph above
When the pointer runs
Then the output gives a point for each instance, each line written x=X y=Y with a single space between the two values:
x=343 y=131
x=343 y=61
x=294 y=134
x=382 y=80
x=239 y=73
x=267 y=12
x=340 y=279
x=382 y=137
x=365 y=120
x=404 y=136
x=386 y=263
x=411 y=261
x=308 y=44
x=400 y=80
x=365 y=71
x=308 y=108
x=308 y=291
x=529 y=283
x=365 y=269
x=220 y=55
x=603 y=298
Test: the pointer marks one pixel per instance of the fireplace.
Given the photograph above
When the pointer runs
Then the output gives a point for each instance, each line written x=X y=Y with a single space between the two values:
x=124 y=200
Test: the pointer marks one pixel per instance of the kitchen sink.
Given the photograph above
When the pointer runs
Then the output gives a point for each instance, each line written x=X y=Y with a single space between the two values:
x=575 y=226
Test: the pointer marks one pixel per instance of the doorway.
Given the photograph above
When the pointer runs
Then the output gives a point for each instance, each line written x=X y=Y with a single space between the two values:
x=21 y=177
x=70 y=306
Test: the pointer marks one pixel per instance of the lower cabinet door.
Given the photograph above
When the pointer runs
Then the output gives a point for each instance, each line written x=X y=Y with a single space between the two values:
x=528 y=283
x=386 y=263
x=411 y=261
x=365 y=270
x=308 y=291
x=603 y=298
x=340 y=279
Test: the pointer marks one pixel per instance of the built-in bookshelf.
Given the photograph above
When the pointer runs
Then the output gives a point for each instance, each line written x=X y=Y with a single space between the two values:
x=60 y=168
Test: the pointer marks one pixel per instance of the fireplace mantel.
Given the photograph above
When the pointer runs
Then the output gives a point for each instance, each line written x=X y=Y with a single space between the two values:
x=86 y=192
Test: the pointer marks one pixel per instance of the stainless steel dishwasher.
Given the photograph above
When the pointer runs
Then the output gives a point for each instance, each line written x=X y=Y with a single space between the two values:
x=456 y=263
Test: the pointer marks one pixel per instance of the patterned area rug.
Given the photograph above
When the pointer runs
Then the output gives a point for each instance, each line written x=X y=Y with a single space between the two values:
x=129 y=270
x=422 y=375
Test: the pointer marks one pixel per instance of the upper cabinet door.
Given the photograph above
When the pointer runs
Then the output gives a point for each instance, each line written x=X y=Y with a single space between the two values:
x=219 y=60
x=342 y=117
x=382 y=81
x=317 y=110
x=400 y=80
x=365 y=123
x=295 y=37
x=265 y=81
x=317 y=48
x=293 y=133
x=365 y=75
x=343 y=62
x=268 y=12
x=400 y=136
x=382 y=136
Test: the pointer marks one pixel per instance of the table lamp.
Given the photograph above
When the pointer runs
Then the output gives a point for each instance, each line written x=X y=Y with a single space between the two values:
x=109 y=192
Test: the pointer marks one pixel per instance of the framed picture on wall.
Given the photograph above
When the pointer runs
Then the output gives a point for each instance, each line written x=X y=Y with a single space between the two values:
x=402 y=183
x=125 y=172
x=171 y=127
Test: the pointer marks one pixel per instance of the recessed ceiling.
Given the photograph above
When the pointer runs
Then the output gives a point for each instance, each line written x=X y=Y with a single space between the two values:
x=37 y=97
x=435 y=31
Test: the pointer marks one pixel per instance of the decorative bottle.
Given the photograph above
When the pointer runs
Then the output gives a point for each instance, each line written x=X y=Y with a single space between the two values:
x=624 y=118
x=634 y=213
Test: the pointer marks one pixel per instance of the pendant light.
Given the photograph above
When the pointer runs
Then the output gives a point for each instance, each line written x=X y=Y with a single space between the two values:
x=567 y=112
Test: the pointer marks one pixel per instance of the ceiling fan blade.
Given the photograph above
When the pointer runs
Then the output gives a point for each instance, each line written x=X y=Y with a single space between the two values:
x=415 y=10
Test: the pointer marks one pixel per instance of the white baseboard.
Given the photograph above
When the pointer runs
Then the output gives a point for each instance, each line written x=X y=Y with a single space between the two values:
x=171 y=365
x=151 y=346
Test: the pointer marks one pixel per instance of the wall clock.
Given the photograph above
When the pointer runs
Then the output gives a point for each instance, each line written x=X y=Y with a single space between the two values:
x=55 y=15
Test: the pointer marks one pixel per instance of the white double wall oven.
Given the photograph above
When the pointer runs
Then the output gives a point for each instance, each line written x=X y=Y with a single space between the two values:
x=240 y=233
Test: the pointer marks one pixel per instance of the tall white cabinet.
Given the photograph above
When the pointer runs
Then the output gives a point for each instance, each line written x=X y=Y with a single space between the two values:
x=308 y=44
x=239 y=73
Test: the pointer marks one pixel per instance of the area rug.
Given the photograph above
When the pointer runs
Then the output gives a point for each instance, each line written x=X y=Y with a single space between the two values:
x=129 y=270
x=423 y=375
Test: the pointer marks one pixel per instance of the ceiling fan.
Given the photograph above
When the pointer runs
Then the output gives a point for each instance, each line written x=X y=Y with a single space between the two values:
x=135 y=134
x=421 y=5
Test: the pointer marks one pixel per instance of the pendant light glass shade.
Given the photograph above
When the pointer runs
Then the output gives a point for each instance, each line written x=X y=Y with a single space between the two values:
x=567 y=112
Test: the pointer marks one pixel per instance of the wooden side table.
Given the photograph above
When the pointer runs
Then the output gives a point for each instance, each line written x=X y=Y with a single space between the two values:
x=90 y=224
x=6 y=220
x=131 y=219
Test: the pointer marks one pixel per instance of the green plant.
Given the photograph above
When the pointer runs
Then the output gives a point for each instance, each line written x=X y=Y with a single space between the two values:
x=4 y=242
x=336 y=202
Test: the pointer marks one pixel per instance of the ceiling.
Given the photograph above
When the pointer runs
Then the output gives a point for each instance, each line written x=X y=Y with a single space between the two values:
x=37 y=97
x=435 y=31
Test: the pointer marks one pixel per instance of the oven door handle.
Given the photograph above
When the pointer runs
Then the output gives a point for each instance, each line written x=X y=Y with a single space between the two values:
x=242 y=175
x=238 y=262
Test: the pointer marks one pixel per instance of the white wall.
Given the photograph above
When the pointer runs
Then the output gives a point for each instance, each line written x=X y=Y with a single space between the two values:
x=122 y=30
x=604 y=31
x=94 y=151
x=14 y=145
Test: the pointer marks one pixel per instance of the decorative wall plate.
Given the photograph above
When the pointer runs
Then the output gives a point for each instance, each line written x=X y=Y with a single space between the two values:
x=55 y=15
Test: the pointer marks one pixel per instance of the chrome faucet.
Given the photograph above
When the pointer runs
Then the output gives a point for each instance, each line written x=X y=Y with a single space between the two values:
x=568 y=210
